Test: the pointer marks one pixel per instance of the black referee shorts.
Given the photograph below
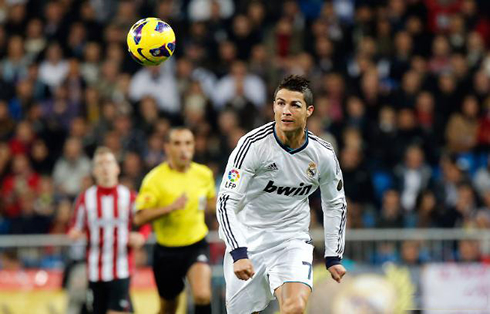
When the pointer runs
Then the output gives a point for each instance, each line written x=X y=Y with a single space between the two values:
x=109 y=295
x=171 y=264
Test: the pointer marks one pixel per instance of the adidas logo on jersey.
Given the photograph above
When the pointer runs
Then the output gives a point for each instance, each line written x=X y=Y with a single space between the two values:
x=272 y=167
x=302 y=189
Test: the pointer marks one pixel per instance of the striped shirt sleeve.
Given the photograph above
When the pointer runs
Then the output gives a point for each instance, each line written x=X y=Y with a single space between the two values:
x=78 y=218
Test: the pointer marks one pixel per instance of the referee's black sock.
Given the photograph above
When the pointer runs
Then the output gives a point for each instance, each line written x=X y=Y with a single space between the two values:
x=202 y=309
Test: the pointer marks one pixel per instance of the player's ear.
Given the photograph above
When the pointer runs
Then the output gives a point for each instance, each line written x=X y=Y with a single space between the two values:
x=309 y=111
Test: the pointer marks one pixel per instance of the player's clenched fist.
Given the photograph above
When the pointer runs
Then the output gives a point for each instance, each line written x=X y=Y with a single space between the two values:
x=337 y=271
x=243 y=269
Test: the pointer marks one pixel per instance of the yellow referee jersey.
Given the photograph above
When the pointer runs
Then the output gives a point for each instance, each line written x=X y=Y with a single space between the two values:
x=162 y=186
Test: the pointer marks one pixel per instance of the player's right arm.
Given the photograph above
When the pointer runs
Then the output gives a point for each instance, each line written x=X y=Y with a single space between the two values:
x=239 y=171
x=78 y=221
x=147 y=208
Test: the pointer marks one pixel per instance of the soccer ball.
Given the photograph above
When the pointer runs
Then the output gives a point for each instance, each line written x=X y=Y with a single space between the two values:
x=151 y=41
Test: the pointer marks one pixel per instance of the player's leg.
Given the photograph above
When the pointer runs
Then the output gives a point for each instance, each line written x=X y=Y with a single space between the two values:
x=119 y=301
x=97 y=298
x=250 y=296
x=168 y=306
x=199 y=277
x=291 y=276
x=169 y=277
x=293 y=297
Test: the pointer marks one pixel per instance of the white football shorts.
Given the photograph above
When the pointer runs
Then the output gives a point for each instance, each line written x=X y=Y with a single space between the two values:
x=289 y=262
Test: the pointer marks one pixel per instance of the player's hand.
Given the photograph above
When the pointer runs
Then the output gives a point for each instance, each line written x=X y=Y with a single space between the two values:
x=136 y=240
x=75 y=234
x=243 y=269
x=180 y=202
x=337 y=272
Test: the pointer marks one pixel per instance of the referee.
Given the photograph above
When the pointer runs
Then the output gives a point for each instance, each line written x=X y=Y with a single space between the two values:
x=173 y=197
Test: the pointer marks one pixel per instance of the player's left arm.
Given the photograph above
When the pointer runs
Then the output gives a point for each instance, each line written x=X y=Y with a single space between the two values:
x=138 y=234
x=211 y=194
x=334 y=208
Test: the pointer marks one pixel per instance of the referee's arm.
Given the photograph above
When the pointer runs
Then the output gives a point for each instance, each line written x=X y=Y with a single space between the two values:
x=211 y=205
x=147 y=215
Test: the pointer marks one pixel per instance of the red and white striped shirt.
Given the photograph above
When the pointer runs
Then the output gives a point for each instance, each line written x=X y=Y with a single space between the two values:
x=106 y=215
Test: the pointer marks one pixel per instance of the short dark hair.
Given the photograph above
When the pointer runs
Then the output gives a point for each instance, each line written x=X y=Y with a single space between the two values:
x=166 y=138
x=297 y=83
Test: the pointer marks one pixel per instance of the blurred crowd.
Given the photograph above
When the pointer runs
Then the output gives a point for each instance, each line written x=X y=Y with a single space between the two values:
x=401 y=91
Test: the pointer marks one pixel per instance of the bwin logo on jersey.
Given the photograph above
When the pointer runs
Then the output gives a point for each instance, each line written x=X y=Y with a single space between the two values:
x=302 y=189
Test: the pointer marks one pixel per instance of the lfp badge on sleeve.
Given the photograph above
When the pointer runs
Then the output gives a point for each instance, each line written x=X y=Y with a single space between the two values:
x=233 y=177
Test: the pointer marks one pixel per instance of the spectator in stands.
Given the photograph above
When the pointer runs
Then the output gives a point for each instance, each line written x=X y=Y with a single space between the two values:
x=283 y=40
x=5 y=156
x=132 y=170
x=71 y=168
x=391 y=214
x=382 y=134
x=41 y=159
x=461 y=131
x=481 y=180
x=469 y=251
x=104 y=122
x=446 y=188
x=29 y=221
x=150 y=81
x=20 y=181
x=54 y=69
x=23 y=99
x=358 y=186
x=410 y=253
x=90 y=67
x=240 y=88
x=428 y=210
x=7 y=124
x=463 y=212
x=35 y=41
x=413 y=176
x=132 y=140
x=14 y=66
x=243 y=35
x=484 y=126
x=154 y=154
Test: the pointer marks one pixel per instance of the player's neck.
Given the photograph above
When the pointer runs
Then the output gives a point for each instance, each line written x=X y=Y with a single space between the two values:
x=178 y=168
x=293 y=139
x=107 y=184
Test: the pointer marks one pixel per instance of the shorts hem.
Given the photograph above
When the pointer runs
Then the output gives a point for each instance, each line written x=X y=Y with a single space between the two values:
x=297 y=281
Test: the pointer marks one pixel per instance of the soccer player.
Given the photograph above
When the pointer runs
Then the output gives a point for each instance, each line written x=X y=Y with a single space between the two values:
x=174 y=197
x=104 y=213
x=263 y=208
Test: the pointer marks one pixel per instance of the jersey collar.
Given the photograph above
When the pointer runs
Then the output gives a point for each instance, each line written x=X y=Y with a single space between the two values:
x=106 y=191
x=289 y=149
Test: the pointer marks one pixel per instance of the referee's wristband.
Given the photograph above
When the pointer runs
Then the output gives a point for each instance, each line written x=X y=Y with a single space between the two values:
x=332 y=260
x=239 y=253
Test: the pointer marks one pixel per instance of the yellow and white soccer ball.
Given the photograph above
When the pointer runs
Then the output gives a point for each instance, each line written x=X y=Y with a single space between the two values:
x=151 y=41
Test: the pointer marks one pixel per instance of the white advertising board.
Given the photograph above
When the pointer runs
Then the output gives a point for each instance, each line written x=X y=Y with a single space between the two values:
x=456 y=288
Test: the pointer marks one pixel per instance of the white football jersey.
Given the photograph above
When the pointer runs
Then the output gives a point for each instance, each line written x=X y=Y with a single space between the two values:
x=263 y=198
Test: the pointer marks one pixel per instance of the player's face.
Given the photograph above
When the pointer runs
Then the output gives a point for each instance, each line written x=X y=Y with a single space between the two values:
x=290 y=110
x=180 y=148
x=106 y=169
